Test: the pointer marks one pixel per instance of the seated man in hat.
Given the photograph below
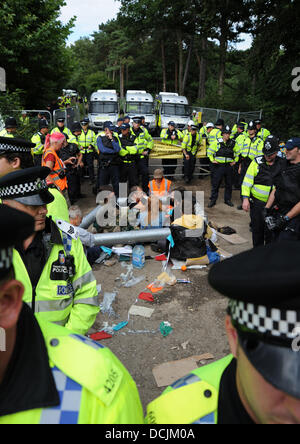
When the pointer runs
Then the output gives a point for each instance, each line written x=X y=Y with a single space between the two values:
x=48 y=375
x=259 y=382
x=60 y=286
x=159 y=186
x=10 y=128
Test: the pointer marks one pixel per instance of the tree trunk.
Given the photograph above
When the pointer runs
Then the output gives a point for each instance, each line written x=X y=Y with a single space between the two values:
x=188 y=62
x=127 y=75
x=203 y=68
x=163 y=61
x=223 y=52
x=122 y=69
x=180 y=52
x=176 y=76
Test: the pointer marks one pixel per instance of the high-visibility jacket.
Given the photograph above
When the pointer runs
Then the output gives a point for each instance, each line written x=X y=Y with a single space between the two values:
x=252 y=148
x=39 y=140
x=58 y=209
x=94 y=387
x=143 y=141
x=164 y=188
x=86 y=140
x=214 y=135
x=191 y=400
x=129 y=149
x=259 y=179
x=58 y=168
x=240 y=141
x=164 y=135
x=70 y=301
x=24 y=122
x=223 y=153
x=235 y=128
x=4 y=133
x=203 y=132
x=263 y=133
x=187 y=143
x=65 y=131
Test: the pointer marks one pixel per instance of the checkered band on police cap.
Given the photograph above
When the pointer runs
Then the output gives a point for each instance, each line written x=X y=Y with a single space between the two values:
x=13 y=147
x=283 y=324
x=23 y=189
x=6 y=255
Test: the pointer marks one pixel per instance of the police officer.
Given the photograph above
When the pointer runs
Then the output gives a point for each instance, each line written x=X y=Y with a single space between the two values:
x=239 y=137
x=241 y=121
x=39 y=140
x=109 y=160
x=88 y=148
x=220 y=124
x=283 y=206
x=171 y=136
x=263 y=133
x=187 y=131
x=120 y=122
x=190 y=146
x=10 y=128
x=145 y=145
x=253 y=147
x=223 y=155
x=49 y=375
x=60 y=286
x=128 y=153
x=257 y=186
x=24 y=119
x=61 y=128
x=213 y=134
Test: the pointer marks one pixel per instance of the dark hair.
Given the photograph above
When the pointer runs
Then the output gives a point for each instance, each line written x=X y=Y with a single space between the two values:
x=26 y=160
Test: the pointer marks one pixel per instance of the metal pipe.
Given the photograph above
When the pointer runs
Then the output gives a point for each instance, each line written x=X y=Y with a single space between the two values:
x=132 y=237
x=90 y=218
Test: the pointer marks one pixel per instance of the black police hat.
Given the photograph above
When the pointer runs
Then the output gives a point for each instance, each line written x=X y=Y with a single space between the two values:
x=241 y=125
x=15 y=227
x=61 y=119
x=28 y=187
x=220 y=122
x=15 y=145
x=43 y=123
x=258 y=122
x=252 y=125
x=121 y=119
x=137 y=119
x=226 y=130
x=76 y=127
x=263 y=285
x=271 y=146
x=85 y=121
x=172 y=123
x=125 y=126
x=10 y=122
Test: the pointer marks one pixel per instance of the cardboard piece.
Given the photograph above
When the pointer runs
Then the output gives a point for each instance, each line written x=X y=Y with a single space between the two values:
x=234 y=239
x=198 y=261
x=224 y=254
x=169 y=372
x=141 y=311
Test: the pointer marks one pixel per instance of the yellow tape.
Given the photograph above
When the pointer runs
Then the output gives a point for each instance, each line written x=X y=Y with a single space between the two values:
x=164 y=151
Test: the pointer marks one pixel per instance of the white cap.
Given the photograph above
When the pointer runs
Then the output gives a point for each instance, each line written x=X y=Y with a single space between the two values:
x=191 y=122
x=194 y=111
x=210 y=125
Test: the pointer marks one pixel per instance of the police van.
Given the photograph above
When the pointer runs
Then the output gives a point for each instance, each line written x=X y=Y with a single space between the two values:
x=172 y=107
x=103 y=107
x=140 y=103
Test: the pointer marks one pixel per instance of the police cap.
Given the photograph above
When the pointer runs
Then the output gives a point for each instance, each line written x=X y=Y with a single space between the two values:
x=121 y=119
x=241 y=125
x=29 y=187
x=252 y=125
x=76 y=127
x=226 y=130
x=85 y=121
x=137 y=119
x=61 y=120
x=293 y=143
x=271 y=146
x=263 y=287
x=220 y=122
x=43 y=123
x=15 y=145
x=125 y=126
x=15 y=227
x=10 y=122
x=173 y=123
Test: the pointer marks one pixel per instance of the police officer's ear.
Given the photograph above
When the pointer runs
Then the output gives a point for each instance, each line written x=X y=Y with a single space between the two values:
x=11 y=295
x=16 y=163
x=232 y=336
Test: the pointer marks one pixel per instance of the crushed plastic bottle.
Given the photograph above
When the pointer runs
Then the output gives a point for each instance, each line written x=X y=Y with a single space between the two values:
x=106 y=305
x=138 y=257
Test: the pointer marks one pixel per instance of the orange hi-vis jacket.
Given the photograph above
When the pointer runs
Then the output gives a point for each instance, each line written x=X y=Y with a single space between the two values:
x=59 y=168
x=164 y=187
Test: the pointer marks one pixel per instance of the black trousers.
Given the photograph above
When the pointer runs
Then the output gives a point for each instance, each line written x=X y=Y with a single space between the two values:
x=260 y=233
x=245 y=165
x=37 y=159
x=170 y=166
x=110 y=174
x=73 y=178
x=128 y=173
x=189 y=166
x=88 y=160
x=143 y=170
x=290 y=233
x=218 y=172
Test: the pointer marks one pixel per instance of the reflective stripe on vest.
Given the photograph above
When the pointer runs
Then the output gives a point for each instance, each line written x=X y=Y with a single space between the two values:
x=164 y=187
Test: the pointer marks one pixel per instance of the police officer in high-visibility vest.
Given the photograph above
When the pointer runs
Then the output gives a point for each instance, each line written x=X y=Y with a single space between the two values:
x=39 y=140
x=24 y=119
x=128 y=154
x=242 y=121
x=190 y=146
x=187 y=131
x=283 y=206
x=10 y=129
x=259 y=382
x=171 y=136
x=61 y=128
x=257 y=186
x=145 y=145
x=159 y=186
x=48 y=374
x=240 y=136
x=88 y=147
x=263 y=133
x=253 y=147
x=223 y=155
x=213 y=134
x=59 y=284
x=16 y=154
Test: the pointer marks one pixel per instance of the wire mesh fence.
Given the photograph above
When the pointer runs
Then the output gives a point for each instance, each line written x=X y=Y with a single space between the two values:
x=230 y=117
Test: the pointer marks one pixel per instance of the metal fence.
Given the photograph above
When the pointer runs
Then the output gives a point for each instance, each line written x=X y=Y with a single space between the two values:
x=32 y=115
x=230 y=117
x=71 y=115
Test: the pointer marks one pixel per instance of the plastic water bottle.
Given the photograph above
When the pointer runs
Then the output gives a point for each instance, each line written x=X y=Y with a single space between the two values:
x=138 y=257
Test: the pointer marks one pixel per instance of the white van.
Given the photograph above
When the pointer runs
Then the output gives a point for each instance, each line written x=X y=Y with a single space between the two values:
x=140 y=103
x=103 y=107
x=172 y=107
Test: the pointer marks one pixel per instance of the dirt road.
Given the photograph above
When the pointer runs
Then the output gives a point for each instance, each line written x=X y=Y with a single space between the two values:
x=195 y=311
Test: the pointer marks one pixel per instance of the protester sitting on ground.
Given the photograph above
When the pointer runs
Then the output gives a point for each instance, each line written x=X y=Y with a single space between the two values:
x=153 y=216
x=159 y=186
x=88 y=239
x=137 y=198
